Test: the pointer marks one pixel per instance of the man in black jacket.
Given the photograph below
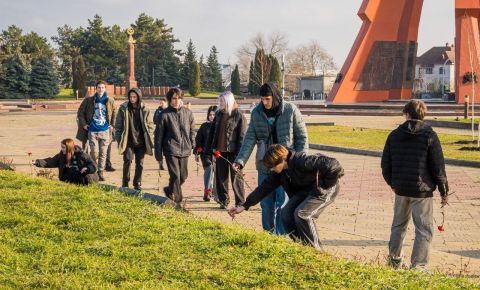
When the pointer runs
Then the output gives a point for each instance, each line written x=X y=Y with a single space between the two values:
x=175 y=138
x=311 y=182
x=413 y=166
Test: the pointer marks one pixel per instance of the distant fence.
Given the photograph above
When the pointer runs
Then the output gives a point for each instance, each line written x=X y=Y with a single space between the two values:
x=113 y=90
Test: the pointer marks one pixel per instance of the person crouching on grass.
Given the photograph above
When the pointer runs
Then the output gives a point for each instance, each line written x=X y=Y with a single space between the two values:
x=311 y=182
x=74 y=165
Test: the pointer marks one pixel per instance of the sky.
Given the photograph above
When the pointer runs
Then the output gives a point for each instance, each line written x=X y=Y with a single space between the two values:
x=228 y=24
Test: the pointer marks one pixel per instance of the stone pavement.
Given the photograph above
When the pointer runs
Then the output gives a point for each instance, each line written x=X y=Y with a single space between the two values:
x=356 y=226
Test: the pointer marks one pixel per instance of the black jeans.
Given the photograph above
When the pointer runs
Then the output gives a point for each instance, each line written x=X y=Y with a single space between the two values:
x=300 y=211
x=222 y=169
x=178 y=171
x=127 y=161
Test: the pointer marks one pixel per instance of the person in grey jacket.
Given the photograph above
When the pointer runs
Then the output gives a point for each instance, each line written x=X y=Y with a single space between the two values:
x=273 y=121
x=175 y=138
x=133 y=128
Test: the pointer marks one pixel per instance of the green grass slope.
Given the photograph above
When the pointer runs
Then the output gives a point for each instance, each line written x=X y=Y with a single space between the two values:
x=54 y=235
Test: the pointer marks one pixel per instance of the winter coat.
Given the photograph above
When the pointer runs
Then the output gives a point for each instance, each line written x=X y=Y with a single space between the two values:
x=175 y=133
x=80 y=159
x=122 y=126
x=235 y=131
x=85 y=115
x=157 y=115
x=201 y=142
x=290 y=129
x=300 y=177
x=412 y=161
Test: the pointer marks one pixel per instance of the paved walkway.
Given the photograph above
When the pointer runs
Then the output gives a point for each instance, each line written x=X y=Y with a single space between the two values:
x=356 y=226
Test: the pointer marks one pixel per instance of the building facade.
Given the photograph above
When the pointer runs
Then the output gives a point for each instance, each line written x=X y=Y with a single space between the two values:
x=435 y=73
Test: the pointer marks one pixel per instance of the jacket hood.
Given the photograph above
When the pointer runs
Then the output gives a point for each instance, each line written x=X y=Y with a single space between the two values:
x=268 y=89
x=413 y=128
x=136 y=91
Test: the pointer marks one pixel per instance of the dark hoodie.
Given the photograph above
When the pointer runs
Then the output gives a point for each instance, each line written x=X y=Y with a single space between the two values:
x=412 y=161
x=270 y=89
x=202 y=137
x=135 y=134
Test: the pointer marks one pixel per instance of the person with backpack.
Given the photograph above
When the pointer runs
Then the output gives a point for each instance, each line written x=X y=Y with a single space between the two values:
x=311 y=182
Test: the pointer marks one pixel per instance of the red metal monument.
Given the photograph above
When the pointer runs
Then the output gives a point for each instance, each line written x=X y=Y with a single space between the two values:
x=381 y=63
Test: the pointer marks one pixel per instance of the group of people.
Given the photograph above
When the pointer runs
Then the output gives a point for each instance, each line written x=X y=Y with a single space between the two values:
x=293 y=187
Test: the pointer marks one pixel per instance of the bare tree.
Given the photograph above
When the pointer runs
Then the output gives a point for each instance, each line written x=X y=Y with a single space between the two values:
x=275 y=43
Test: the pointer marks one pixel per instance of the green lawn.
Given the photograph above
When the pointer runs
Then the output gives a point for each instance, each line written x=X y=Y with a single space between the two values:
x=205 y=94
x=60 y=236
x=374 y=139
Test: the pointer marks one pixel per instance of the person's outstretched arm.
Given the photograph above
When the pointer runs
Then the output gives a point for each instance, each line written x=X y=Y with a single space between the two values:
x=50 y=162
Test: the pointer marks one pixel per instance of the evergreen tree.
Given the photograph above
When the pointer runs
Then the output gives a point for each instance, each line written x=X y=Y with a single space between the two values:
x=275 y=72
x=252 y=87
x=156 y=59
x=195 y=87
x=203 y=72
x=214 y=74
x=235 y=81
x=15 y=77
x=44 y=81
x=188 y=64
x=79 y=76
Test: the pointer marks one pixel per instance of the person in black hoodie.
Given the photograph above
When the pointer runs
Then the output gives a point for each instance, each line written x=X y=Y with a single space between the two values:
x=202 y=153
x=226 y=137
x=311 y=182
x=413 y=166
x=175 y=138
x=74 y=165
x=133 y=128
x=156 y=119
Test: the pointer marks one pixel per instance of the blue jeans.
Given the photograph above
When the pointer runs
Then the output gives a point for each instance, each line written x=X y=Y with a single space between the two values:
x=207 y=177
x=271 y=205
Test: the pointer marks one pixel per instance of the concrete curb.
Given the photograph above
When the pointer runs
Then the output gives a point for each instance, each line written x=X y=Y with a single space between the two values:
x=448 y=161
x=161 y=200
x=450 y=124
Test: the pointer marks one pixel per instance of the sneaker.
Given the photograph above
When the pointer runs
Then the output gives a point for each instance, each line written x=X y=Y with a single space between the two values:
x=394 y=263
x=110 y=169
x=125 y=185
x=100 y=176
x=206 y=195
x=137 y=187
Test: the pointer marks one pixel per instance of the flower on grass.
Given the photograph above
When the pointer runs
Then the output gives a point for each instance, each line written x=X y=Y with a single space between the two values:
x=441 y=228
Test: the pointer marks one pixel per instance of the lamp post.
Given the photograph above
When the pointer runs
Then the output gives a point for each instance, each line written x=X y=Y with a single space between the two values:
x=443 y=77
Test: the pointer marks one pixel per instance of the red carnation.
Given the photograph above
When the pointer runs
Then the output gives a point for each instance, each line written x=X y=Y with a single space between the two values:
x=200 y=150
x=218 y=154
x=29 y=153
x=441 y=228
x=209 y=190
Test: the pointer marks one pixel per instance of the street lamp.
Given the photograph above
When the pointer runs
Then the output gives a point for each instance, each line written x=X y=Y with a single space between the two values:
x=443 y=77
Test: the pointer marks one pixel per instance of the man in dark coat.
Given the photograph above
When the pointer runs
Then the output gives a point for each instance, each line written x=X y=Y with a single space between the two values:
x=311 y=182
x=175 y=138
x=413 y=166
